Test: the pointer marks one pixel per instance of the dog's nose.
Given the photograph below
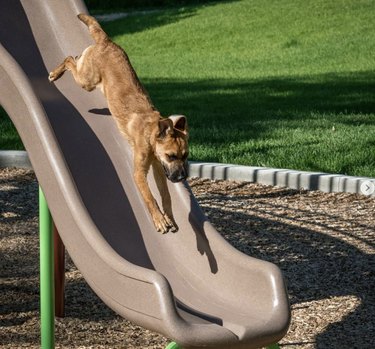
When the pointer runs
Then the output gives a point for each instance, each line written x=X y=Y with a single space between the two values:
x=183 y=174
x=181 y=177
x=178 y=177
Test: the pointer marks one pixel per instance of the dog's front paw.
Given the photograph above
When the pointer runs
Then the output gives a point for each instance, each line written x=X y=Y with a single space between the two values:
x=163 y=223
x=173 y=227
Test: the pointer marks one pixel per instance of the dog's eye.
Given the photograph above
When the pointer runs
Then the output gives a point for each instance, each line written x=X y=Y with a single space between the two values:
x=172 y=157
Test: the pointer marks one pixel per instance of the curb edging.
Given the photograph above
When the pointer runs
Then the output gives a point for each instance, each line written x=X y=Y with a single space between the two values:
x=325 y=182
x=14 y=158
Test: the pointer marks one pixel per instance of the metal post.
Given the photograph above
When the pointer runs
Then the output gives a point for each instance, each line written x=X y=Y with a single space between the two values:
x=47 y=303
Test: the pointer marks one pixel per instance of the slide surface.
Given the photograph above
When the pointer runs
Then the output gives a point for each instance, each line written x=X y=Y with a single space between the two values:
x=192 y=286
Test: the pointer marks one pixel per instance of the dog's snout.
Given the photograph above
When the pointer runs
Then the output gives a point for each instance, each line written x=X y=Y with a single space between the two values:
x=183 y=174
x=178 y=176
x=181 y=177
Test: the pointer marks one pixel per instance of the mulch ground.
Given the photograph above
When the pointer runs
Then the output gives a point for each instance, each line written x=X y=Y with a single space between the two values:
x=324 y=243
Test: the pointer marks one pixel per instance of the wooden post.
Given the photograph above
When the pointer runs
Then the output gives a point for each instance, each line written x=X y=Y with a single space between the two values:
x=59 y=274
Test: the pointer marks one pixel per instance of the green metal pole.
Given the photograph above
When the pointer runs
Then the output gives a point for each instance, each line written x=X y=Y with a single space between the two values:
x=47 y=303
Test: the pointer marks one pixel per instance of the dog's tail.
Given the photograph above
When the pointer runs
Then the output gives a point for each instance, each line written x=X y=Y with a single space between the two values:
x=95 y=29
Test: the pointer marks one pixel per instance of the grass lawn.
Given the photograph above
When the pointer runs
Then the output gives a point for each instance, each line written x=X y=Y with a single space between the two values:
x=287 y=83
x=9 y=139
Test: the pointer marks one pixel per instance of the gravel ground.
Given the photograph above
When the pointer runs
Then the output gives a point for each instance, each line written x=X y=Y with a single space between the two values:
x=324 y=243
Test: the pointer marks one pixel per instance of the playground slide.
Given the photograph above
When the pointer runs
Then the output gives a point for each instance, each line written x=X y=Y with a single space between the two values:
x=191 y=286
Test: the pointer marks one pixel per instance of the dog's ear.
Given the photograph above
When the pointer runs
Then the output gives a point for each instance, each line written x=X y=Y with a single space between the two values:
x=165 y=127
x=179 y=122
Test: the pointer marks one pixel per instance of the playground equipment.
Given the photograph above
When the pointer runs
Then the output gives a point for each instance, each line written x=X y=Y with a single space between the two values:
x=191 y=286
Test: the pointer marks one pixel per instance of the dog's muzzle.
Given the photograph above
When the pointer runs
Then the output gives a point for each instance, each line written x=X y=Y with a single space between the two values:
x=177 y=175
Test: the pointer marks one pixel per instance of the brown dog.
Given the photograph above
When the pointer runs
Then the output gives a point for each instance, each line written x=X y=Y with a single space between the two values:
x=156 y=141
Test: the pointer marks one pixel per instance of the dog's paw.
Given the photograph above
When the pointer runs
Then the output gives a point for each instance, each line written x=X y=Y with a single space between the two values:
x=164 y=224
x=53 y=76
x=173 y=227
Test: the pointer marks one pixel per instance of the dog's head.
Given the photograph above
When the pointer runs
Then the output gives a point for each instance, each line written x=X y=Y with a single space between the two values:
x=172 y=147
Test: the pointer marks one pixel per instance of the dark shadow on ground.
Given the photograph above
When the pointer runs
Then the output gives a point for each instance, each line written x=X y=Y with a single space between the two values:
x=316 y=266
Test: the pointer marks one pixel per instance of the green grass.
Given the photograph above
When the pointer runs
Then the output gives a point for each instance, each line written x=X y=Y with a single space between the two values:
x=287 y=83
x=9 y=138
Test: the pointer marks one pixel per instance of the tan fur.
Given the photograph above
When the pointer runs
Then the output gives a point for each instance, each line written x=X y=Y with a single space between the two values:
x=160 y=143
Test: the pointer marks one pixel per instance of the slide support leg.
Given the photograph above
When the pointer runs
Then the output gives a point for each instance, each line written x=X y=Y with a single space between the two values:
x=47 y=303
x=59 y=268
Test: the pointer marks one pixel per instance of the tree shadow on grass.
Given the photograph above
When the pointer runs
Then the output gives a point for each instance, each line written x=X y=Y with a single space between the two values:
x=269 y=99
x=156 y=18
x=260 y=116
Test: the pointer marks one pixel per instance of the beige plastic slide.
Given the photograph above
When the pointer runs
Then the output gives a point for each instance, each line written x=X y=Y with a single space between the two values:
x=192 y=286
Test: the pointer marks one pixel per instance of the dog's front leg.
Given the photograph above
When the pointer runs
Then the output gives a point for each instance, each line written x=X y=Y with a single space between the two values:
x=161 y=182
x=141 y=166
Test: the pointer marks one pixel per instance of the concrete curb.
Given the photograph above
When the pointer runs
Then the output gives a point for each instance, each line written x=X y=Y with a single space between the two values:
x=329 y=183
x=285 y=178
x=14 y=158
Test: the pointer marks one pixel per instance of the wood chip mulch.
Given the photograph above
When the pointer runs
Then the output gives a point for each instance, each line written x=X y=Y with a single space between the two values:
x=324 y=243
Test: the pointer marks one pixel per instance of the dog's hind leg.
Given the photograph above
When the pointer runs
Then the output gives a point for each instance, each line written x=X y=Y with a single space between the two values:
x=83 y=77
x=58 y=72
x=68 y=64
